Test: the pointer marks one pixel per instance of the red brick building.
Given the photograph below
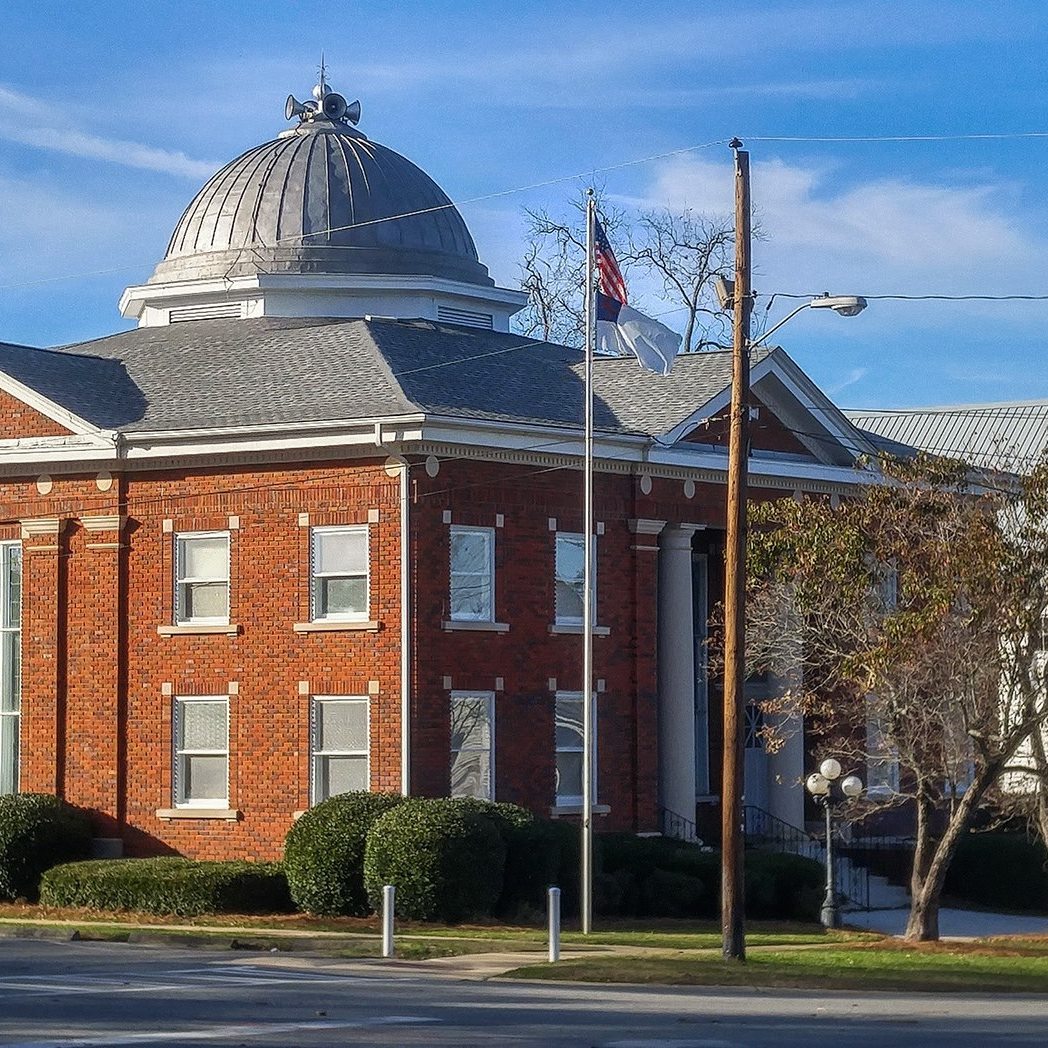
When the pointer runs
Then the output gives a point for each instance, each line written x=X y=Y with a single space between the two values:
x=314 y=525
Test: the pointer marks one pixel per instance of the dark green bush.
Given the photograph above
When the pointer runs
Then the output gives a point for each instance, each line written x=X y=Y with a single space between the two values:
x=324 y=853
x=1001 y=870
x=445 y=858
x=532 y=857
x=660 y=877
x=37 y=831
x=168 y=886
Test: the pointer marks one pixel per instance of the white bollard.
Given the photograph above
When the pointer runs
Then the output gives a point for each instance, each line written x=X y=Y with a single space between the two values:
x=554 y=924
x=388 y=899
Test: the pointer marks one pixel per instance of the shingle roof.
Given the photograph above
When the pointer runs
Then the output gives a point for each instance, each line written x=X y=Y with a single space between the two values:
x=222 y=373
x=1012 y=435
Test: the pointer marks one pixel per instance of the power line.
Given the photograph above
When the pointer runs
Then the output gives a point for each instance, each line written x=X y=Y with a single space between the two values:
x=844 y=139
x=927 y=298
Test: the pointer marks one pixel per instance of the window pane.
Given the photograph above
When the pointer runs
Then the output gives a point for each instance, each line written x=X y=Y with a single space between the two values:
x=8 y=754
x=470 y=597
x=12 y=613
x=204 y=726
x=341 y=596
x=205 y=557
x=10 y=672
x=569 y=722
x=470 y=724
x=569 y=774
x=340 y=775
x=341 y=726
x=471 y=775
x=340 y=552
x=205 y=600
x=204 y=779
x=469 y=552
x=569 y=600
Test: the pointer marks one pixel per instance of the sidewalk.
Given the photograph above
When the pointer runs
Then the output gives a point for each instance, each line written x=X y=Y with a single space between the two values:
x=953 y=924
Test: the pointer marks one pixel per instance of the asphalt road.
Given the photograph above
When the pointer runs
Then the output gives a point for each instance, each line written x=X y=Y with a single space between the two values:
x=91 y=994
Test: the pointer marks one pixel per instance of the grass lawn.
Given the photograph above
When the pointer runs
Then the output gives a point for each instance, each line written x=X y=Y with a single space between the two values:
x=885 y=965
x=663 y=934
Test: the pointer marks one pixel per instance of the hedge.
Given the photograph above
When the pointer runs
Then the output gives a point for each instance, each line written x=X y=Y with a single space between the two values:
x=661 y=877
x=445 y=858
x=324 y=853
x=1000 y=870
x=37 y=831
x=168 y=885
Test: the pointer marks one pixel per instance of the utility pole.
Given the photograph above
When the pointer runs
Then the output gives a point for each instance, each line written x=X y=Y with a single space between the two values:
x=732 y=896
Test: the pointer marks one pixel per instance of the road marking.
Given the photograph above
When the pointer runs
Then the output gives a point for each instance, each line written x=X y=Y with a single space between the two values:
x=217 y=1033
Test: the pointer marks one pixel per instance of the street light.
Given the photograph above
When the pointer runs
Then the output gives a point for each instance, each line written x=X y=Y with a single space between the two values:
x=737 y=296
x=831 y=791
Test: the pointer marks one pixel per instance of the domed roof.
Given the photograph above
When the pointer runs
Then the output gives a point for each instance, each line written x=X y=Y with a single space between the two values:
x=321 y=198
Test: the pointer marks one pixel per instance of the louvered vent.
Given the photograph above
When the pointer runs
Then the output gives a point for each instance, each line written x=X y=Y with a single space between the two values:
x=468 y=317
x=212 y=311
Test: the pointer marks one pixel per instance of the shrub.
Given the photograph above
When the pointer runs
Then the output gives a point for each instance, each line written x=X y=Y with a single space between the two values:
x=1000 y=870
x=37 y=831
x=168 y=886
x=661 y=877
x=444 y=857
x=324 y=853
x=532 y=857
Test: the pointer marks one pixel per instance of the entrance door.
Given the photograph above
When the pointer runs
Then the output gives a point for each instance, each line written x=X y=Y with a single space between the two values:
x=755 y=786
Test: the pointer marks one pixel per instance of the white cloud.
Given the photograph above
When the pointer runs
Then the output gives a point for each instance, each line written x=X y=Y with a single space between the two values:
x=880 y=235
x=20 y=121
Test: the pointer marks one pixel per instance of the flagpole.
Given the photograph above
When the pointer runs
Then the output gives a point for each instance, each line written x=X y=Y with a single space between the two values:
x=587 y=593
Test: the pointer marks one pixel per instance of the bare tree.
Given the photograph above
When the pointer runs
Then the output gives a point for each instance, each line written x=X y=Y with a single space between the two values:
x=678 y=253
x=918 y=607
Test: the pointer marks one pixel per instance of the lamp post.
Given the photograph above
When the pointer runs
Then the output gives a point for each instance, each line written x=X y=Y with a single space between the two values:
x=737 y=296
x=831 y=791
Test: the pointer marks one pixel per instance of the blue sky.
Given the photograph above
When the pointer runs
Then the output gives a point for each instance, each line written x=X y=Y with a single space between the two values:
x=113 y=113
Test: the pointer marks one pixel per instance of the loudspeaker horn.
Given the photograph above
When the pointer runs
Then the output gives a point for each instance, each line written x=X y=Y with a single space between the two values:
x=293 y=107
x=353 y=113
x=334 y=106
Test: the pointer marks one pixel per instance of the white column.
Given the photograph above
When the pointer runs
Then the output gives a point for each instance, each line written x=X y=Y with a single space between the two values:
x=676 y=653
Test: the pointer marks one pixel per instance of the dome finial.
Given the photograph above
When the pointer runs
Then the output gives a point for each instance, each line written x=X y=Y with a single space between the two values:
x=326 y=107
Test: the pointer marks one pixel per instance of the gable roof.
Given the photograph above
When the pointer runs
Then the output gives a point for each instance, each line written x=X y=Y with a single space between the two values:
x=1011 y=435
x=229 y=374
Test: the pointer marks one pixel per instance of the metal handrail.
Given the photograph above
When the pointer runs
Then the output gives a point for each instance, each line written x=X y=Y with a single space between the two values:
x=675 y=825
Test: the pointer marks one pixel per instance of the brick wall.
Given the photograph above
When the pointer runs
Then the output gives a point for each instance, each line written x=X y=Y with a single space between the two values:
x=100 y=680
x=20 y=420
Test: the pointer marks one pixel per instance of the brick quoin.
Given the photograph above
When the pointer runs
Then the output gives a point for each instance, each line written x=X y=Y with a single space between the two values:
x=99 y=680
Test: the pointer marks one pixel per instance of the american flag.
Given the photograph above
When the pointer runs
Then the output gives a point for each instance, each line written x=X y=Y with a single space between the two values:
x=609 y=278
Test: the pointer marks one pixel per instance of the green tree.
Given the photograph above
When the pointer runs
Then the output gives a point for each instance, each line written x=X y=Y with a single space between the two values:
x=917 y=606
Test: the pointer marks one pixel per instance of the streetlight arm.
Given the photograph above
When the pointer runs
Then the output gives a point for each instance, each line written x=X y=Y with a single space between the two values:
x=786 y=319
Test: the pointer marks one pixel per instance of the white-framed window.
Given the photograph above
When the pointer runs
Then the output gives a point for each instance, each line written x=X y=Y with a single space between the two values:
x=882 y=761
x=202 y=578
x=472 y=574
x=339 y=573
x=201 y=735
x=473 y=744
x=569 y=747
x=570 y=579
x=10 y=663
x=340 y=750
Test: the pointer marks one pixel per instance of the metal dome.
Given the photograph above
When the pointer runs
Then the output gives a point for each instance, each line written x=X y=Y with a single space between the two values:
x=321 y=198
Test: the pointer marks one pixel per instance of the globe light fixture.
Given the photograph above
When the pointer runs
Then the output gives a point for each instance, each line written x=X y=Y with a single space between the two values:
x=831 y=791
x=831 y=768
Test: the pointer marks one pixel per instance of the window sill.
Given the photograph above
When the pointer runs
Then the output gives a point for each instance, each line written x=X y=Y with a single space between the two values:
x=190 y=630
x=572 y=628
x=576 y=809
x=225 y=814
x=337 y=626
x=480 y=627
